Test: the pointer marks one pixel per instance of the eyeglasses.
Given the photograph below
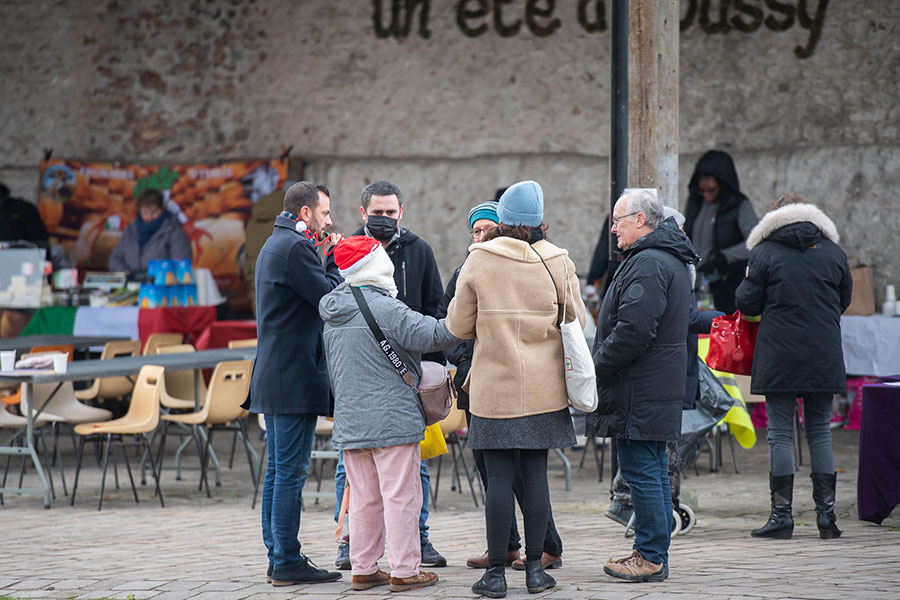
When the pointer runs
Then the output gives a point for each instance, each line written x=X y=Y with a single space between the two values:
x=616 y=220
x=481 y=231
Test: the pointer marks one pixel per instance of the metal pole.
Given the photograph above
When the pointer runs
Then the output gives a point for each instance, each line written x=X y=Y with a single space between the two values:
x=618 y=131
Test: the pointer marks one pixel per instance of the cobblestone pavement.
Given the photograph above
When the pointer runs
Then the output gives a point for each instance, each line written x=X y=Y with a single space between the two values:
x=211 y=548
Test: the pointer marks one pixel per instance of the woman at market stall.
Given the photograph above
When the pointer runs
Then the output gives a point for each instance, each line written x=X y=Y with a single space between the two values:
x=155 y=235
x=798 y=281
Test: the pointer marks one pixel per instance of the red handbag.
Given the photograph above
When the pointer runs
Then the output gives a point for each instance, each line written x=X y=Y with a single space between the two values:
x=732 y=340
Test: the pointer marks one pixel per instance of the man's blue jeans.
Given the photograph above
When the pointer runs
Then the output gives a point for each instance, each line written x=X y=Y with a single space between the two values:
x=645 y=467
x=340 y=479
x=289 y=444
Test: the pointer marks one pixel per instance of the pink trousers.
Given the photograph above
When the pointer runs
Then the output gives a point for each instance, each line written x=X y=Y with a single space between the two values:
x=385 y=495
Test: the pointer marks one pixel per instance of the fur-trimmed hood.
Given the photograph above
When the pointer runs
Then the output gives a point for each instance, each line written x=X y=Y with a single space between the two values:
x=774 y=220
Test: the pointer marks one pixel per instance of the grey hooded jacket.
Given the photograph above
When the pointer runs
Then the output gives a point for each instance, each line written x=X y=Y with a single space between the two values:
x=373 y=406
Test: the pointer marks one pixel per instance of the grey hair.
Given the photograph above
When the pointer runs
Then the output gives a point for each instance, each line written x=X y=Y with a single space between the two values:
x=640 y=201
x=668 y=211
x=380 y=188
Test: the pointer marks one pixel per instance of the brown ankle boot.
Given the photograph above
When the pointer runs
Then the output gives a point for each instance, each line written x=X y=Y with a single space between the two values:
x=481 y=562
x=365 y=582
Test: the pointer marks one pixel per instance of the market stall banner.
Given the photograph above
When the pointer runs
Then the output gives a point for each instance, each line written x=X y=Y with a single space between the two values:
x=86 y=205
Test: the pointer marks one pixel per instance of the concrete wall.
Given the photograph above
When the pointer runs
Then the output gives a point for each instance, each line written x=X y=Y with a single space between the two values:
x=479 y=94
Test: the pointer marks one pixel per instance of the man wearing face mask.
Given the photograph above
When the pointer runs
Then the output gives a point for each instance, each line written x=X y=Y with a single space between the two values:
x=419 y=287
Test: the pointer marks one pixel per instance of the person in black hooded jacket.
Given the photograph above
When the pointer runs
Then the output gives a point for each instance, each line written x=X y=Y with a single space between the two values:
x=640 y=355
x=799 y=282
x=718 y=218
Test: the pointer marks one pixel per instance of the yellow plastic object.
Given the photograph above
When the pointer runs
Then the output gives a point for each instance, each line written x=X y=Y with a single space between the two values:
x=143 y=411
x=248 y=343
x=434 y=443
x=228 y=388
x=737 y=417
x=161 y=339
x=179 y=390
x=112 y=387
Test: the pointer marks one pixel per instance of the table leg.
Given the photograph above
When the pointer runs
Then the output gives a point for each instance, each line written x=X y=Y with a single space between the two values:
x=29 y=442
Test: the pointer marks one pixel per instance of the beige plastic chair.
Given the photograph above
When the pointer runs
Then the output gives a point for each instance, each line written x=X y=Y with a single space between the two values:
x=248 y=343
x=161 y=339
x=228 y=388
x=142 y=417
x=112 y=387
x=453 y=422
x=179 y=389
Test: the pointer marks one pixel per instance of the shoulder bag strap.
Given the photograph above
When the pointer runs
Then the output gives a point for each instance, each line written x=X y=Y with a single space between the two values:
x=383 y=343
x=560 y=319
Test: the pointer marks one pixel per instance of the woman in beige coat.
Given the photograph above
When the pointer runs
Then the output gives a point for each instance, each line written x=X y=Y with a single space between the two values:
x=509 y=297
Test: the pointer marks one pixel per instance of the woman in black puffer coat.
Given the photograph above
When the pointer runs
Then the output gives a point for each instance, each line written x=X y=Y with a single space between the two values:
x=799 y=282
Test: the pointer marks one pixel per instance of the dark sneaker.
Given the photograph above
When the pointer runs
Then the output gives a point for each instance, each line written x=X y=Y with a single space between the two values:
x=635 y=568
x=342 y=562
x=305 y=572
x=619 y=512
x=430 y=556
x=365 y=582
x=269 y=574
x=423 y=579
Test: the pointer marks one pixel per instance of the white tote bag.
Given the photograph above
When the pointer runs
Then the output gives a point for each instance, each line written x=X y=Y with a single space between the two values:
x=581 y=379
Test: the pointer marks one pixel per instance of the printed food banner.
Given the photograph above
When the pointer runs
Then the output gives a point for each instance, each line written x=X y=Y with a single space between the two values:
x=87 y=205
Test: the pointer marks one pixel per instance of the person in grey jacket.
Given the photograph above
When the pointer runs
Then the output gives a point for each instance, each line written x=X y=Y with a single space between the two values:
x=155 y=235
x=378 y=418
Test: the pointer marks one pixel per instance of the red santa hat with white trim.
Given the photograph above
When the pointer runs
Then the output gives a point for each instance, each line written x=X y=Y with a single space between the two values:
x=354 y=252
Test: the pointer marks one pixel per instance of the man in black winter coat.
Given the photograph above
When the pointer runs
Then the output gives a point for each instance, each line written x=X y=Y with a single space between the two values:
x=640 y=357
x=419 y=287
x=289 y=385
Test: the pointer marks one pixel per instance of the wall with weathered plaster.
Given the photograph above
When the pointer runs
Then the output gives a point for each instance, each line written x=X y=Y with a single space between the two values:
x=478 y=94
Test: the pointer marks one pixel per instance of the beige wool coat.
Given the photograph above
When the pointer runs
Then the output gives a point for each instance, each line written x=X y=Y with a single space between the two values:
x=505 y=299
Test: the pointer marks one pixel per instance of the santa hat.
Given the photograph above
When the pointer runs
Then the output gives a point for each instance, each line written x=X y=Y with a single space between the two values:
x=354 y=252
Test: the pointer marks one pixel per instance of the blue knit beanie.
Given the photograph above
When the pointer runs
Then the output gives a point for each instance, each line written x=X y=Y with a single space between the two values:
x=522 y=204
x=485 y=210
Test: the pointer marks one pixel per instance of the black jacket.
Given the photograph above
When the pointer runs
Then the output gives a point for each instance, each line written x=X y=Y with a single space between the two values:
x=290 y=375
x=460 y=354
x=640 y=352
x=727 y=232
x=20 y=220
x=416 y=275
x=799 y=282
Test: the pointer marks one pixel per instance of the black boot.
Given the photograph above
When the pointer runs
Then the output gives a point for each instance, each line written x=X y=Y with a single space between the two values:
x=536 y=579
x=493 y=583
x=780 y=525
x=823 y=495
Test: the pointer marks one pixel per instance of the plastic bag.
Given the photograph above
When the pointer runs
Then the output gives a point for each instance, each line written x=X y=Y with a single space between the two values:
x=434 y=443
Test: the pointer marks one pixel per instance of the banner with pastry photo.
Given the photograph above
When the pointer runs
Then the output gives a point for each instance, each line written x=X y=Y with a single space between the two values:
x=86 y=206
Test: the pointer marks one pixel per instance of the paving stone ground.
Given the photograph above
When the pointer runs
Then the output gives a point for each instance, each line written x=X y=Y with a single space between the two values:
x=211 y=548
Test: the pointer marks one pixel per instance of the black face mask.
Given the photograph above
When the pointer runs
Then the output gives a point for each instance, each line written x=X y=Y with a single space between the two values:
x=382 y=228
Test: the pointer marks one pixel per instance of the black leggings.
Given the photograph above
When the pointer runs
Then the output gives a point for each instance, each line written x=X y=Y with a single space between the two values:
x=499 y=507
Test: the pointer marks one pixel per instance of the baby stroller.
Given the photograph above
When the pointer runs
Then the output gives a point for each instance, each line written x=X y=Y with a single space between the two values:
x=696 y=423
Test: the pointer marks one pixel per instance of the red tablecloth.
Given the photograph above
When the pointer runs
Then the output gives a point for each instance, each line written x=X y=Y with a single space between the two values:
x=189 y=320
x=219 y=333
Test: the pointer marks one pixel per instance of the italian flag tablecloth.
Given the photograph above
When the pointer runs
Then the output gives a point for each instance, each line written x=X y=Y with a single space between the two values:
x=131 y=321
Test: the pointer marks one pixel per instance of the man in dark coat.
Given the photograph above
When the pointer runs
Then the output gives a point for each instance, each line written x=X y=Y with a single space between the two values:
x=20 y=220
x=419 y=287
x=718 y=218
x=640 y=356
x=289 y=385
